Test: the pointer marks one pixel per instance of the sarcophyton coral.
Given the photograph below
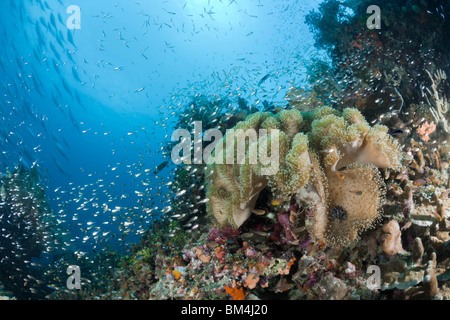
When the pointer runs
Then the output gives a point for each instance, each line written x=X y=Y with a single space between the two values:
x=234 y=185
x=350 y=206
x=348 y=139
x=349 y=187
x=332 y=168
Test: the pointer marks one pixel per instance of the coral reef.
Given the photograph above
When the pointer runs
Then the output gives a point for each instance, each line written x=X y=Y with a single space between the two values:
x=361 y=182
x=336 y=160
x=27 y=229
x=234 y=186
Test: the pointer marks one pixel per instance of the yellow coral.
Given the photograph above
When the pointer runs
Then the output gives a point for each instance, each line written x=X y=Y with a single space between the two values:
x=291 y=121
x=253 y=121
x=233 y=191
x=349 y=139
x=324 y=111
x=353 y=115
x=332 y=169
x=271 y=123
x=294 y=166
x=234 y=184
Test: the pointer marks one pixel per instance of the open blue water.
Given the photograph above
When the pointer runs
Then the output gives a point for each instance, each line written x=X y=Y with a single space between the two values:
x=92 y=107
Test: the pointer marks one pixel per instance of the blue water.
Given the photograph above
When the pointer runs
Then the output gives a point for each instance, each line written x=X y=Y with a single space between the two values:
x=96 y=112
x=93 y=107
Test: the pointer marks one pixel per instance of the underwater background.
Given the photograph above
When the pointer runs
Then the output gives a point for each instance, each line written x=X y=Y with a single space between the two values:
x=92 y=92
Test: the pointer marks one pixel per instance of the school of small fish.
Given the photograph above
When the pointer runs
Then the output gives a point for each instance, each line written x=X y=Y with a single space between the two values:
x=52 y=122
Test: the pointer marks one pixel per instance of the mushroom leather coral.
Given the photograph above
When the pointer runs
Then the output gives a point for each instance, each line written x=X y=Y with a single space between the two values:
x=334 y=165
x=349 y=139
x=234 y=188
x=233 y=193
x=358 y=194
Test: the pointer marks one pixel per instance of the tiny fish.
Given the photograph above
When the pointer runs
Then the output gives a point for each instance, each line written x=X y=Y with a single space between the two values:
x=139 y=258
x=420 y=182
x=247 y=235
x=263 y=79
x=180 y=193
x=161 y=166
x=259 y=212
x=261 y=233
x=277 y=202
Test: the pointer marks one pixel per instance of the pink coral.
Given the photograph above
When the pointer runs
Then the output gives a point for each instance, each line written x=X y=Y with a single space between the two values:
x=251 y=280
x=425 y=130
x=392 y=242
x=250 y=252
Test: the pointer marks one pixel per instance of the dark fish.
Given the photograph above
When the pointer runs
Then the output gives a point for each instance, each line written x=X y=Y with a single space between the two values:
x=160 y=167
x=60 y=18
x=53 y=20
x=75 y=74
x=263 y=79
x=397 y=131
x=70 y=37
x=60 y=167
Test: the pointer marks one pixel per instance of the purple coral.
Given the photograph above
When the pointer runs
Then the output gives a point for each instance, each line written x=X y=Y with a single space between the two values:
x=305 y=244
x=311 y=279
x=283 y=219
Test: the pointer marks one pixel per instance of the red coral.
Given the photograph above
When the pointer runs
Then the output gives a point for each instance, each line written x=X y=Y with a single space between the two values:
x=235 y=293
x=222 y=235
x=275 y=236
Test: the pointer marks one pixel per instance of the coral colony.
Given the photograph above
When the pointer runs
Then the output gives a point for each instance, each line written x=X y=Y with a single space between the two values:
x=357 y=204
x=341 y=193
